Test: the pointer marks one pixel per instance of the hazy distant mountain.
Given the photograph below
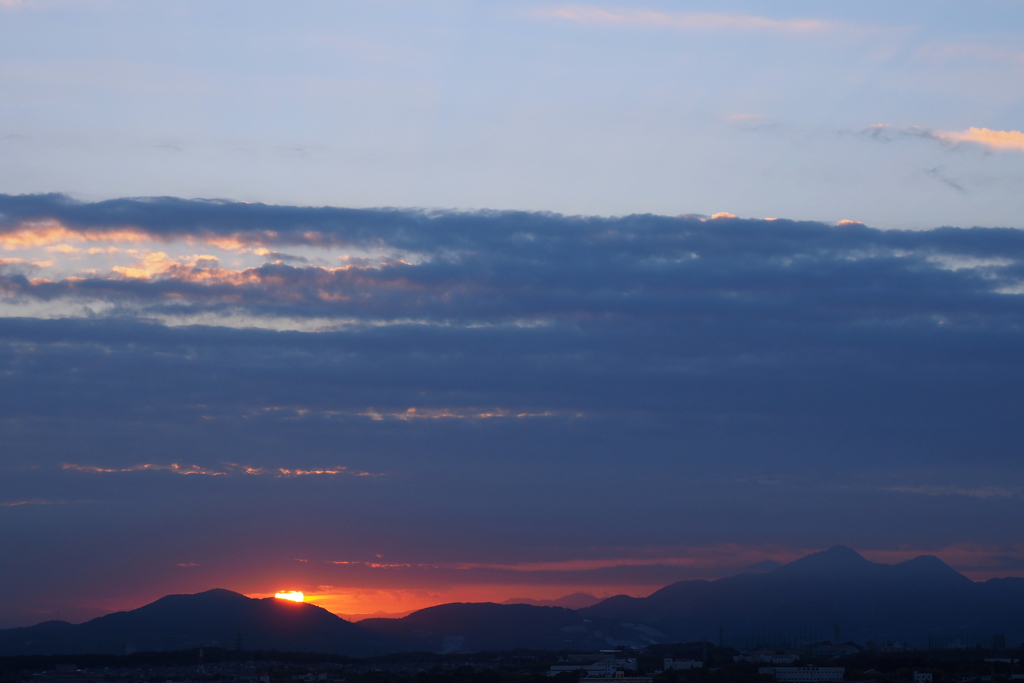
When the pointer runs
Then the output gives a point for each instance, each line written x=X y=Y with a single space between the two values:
x=376 y=615
x=905 y=601
x=215 y=618
x=574 y=601
x=471 y=626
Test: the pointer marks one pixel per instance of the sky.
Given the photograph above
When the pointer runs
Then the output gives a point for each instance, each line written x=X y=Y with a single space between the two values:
x=402 y=303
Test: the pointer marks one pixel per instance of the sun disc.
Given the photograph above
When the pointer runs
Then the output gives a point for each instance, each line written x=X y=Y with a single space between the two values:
x=294 y=596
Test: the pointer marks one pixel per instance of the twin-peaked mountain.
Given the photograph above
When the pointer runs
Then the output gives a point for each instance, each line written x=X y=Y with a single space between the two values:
x=830 y=590
x=834 y=590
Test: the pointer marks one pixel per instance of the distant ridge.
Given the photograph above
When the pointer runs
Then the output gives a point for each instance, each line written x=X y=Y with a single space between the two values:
x=574 y=601
x=474 y=626
x=376 y=615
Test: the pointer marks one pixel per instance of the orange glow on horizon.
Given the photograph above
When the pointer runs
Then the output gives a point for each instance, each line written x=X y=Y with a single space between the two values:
x=355 y=603
x=399 y=588
x=294 y=596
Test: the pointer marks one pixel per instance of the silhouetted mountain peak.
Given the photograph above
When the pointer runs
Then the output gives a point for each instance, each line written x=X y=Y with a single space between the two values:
x=842 y=551
x=927 y=561
x=216 y=598
x=836 y=561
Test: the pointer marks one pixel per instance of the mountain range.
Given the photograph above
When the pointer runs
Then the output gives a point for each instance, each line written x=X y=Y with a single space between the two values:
x=832 y=595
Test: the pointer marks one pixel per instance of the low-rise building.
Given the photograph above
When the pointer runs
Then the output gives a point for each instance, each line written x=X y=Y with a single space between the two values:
x=766 y=658
x=610 y=667
x=803 y=674
x=682 y=664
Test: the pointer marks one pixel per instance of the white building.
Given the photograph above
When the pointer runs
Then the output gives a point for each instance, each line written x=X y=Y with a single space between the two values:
x=803 y=674
x=766 y=658
x=682 y=664
x=606 y=668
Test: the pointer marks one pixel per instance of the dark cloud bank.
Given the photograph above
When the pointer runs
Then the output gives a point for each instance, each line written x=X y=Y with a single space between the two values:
x=653 y=382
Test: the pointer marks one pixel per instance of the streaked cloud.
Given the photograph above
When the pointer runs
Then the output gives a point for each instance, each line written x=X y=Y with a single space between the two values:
x=385 y=565
x=707 y=558
x=948 y=52
x=986 y=492
x=459 y=414
x=20 y=503
x=699 y=21
x=226 y=469
x=1004 y=140
x=714 y=558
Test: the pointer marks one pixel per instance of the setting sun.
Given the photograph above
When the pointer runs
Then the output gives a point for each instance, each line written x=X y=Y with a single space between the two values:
x=294 y=596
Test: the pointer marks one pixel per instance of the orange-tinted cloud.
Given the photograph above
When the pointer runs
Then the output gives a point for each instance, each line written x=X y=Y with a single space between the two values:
x=993 y=139
x=145 y=467
x=40 y=234
x=1010 y=140
x=52 y=233
x=152 y=264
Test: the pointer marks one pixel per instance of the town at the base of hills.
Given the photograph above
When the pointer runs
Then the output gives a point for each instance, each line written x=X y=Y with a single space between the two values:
x=701 y=662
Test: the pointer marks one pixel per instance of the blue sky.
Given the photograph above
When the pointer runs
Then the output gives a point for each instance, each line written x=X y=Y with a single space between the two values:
x=759 y=109
x=663 y=294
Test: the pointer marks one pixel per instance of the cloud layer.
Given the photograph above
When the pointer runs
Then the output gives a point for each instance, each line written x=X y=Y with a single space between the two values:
x=491 y=398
